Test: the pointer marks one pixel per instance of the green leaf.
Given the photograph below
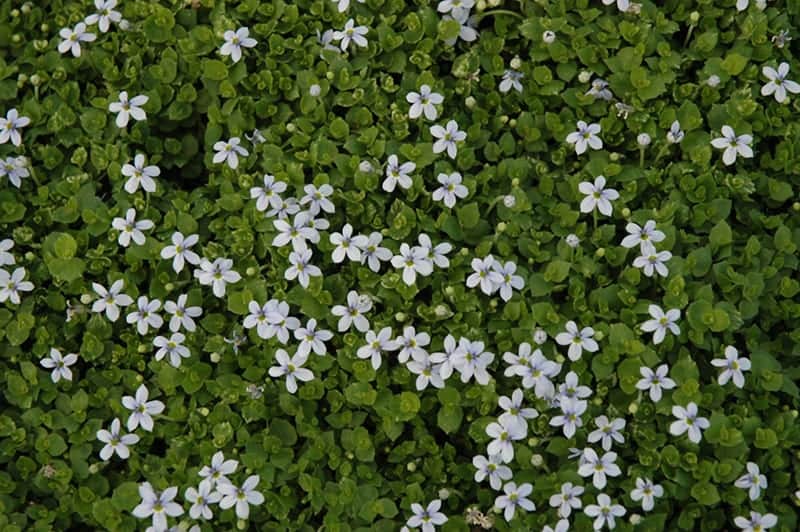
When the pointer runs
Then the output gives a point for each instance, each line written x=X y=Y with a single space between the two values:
x=468 y=215
x=449 y=418
x=720 y=235
x=557 y=271
x=705 y=493
x=214 y=69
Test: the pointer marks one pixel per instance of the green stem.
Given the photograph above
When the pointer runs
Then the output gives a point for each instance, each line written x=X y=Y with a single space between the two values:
x=594 y=217
x=501 y=12
x=146 y=201
x=688 y=35
x=641 y=157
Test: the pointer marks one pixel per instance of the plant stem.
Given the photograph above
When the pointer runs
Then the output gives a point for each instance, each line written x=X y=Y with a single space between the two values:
x=501 y=12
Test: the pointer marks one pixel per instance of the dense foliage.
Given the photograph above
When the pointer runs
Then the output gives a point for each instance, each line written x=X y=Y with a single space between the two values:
x=355 y=446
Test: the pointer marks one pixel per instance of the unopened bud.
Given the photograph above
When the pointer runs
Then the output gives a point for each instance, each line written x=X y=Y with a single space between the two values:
x=584 y=76
x=501 y=227
x=444 y=494
x=694 y=17
x=643 y=139
x=572 y=240
x=509 y=201
x=549 y=37
x=291 y=128
x=713 y=80
x=633 y=408
x=86 y=299
x=516 y=63
x=601 y=252
x=470 y=102
x=315 y=90
x=539 y=336
x=537 y=460
x=411 y=467
x=635 y=519
x=203 y=411
x=215 y=357
x=365 y=166
x=251 y=271
x=626 y=212
x=400 y=316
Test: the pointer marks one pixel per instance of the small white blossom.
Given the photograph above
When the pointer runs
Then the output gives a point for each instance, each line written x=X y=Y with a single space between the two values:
x=436 y=255
x=373 y=253
x=506 y=280
x=655 y=381
x=172 y=347
x=427 y=518
x=59 y=364
x=598 y=467
x=599 y=90
x=688 y=420
x=180 y=251
x=597 y=196
x=567 y=499
x=104 y=15
x=548 y=37
x=675 y=134
x=141 y=409
x=181 y=314
x=312 y=339
x=301 y=268
x=585 y=137
x=604 y=511
x=200 y=498
x=351 y=32
x=450 y=190
x=447 y=138
x=397 y=174
x=235 y=41
x=145 y=315
x=492 y=468
x=292 y=368
x=317 y=199
x=353 y=312
x=12 y=123
x=158 y=505
x=572 y=240
x=515 y=497
x=757 y=522
x=215 y=473
x=651 y=261
x=342 y=5
x=734 y=366
x=646 y=492
x=511 y=79
x=229 y=152
x=110 y=300
x=140 y=175
x=217 y=274
x=413 y=261
x=661 y=323
x=642 y=236
x=126 y=109
x=241 y=497
x=577 y=340
x=571 y=387
x=376 y=345
x=411 y=345
x=72 y=39
x=753 y=481
x=269 y=194
x=733 y=145
x=471 y=360
x=427 y=372
x=14 y=168
x=484 y=275
x=513 y=411
x=467 y=32
x=347 y=245
x=607 y=431
x=297 y=232
x=424 y=101
x=12 y=284
x=115 y=442
x=570 y=418
x=130 y=228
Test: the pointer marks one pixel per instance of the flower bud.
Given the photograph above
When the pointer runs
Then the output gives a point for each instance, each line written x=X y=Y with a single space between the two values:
x=36 y=80
x=449 y=290
x=470 y=102
x=26 y=8
x=539 y=336
x=694 y=17
x=45 y=27
x=512 y=122
x=444 y=494
x=761 y=5
x=548 y=37
x=633 y=408
x=241 y=524
x=509 y=201
x=537 y=460
x=516 y=63
x=365 y=166
x=203 y=411
x=626 y=212
x=464 y=252
x=504 y=119
x=215 y=357
x=643 y=139
x=600 y=252
x=94 y=468
x=315 y=90
x=400 y=316
x=584 y=76
x=560 y=358
x=493 y=303
x=441 y=311
x=14 y=13
x=329 y=75
x=635 y=519
x=86 y=299
x=143 y=348
x=501 y=227
x=713 y=80
x=291 y=128
x=124 y=24
x=572 y=240
x=411 y=467
x=515 y=182
x=16 y=38
x=796 y=205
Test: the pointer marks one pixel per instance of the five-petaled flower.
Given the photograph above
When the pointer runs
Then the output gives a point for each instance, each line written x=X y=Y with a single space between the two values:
x=424 y=101
x=10 y=128
x=172 y=347
x=662 y=322
x=450 y=190
x=585 y=137
x=351 y=32
x=140 y=175
x=235 y=41
x=753 y=481
x=733 y=144
x=427 y=518
x=597 y=196
x=145 y=315
x=646 y=491
x=604 y=512
x=127 y=109
x=757 y=522
x=353 y=312
x=11 y=284
x=734 y=366
x=115 y=441
x=778 y=84
x=448 y=138
x=104 y=15
x=241 y=497
x=130 y=228
x=217 y=274
x=291 y=368
x=141 y=409
x=577 y=340
x=59 y=364
x=110 y=300
x=72 y=39
x=180 y=251
x=655 y=381
x=514 y=497
x=688 y=420
x=159 y=505
x=229 y=152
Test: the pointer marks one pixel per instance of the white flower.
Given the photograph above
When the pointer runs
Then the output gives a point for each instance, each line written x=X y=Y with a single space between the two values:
x=643 y=140
x=284 y=208
x=561 y=526
x=292 y=368
x=514 y=497
x=505 y=279
x=145 y=315
x=427 y=371
x=662 y=322
x=411 y=344
x=448 y=137
x=317 y=198
x=646 y=492
x=607 y=431
x=504 y=433
x=655 y=381
x=279 y=321
x=604 y=512
x=235 y=41
x=297 y=232
x=325 y=39
x=577 y=340
x=180 y=251
x=373 y=253
x=470 y=360
x=126 y=109
x=14 y=168
x=397 y=174
x=6 y=258
x=688 y=420
x=585 y=137
x=778 y=84
x=301 y=267
x=570 y=418
x=258 y=318
x=571 y=388
x=217 y=274
x=159 y=505
x=492 y=468
x=598 y=467
x=437 y=254
x=572 y=240
x=220 y=467
x=350 y=32
x=172 y=347
x=424 y=101
x=757 y=522
x=450 y=190
x=312 y=339
x=229 y=152
x=734 y=366
x=342 y=5
x=115 y=442
x=104 y=15
x=72 y=39
x=141 y=409
x=181 y=314
x=376 y=345
x=753 y=481
x=567 y=499
x=511 y=78
x=242 y=497
x=484 y=275
x=129 y=228
x=642 y=236
x=140 y=175
x=453 y=6
x=599 y=90
x=427 y=518
x=597 y=196
x=347 y=245
x=513 y=411
x=447 y=359
x=201 y=498
x=653 y=261
x=548 y=37
x=353 y=313
x=413 y=261
x=733 y=145
x=535 y=370
x=9 y=129
x=467 y=32
x=59 y=364
x=12 y=284
x=269 y=194
x=108 y=300
x=675 y=134
x=741 y=5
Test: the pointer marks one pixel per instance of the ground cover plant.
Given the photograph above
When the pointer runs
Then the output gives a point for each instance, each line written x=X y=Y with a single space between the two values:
x=392 y=265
